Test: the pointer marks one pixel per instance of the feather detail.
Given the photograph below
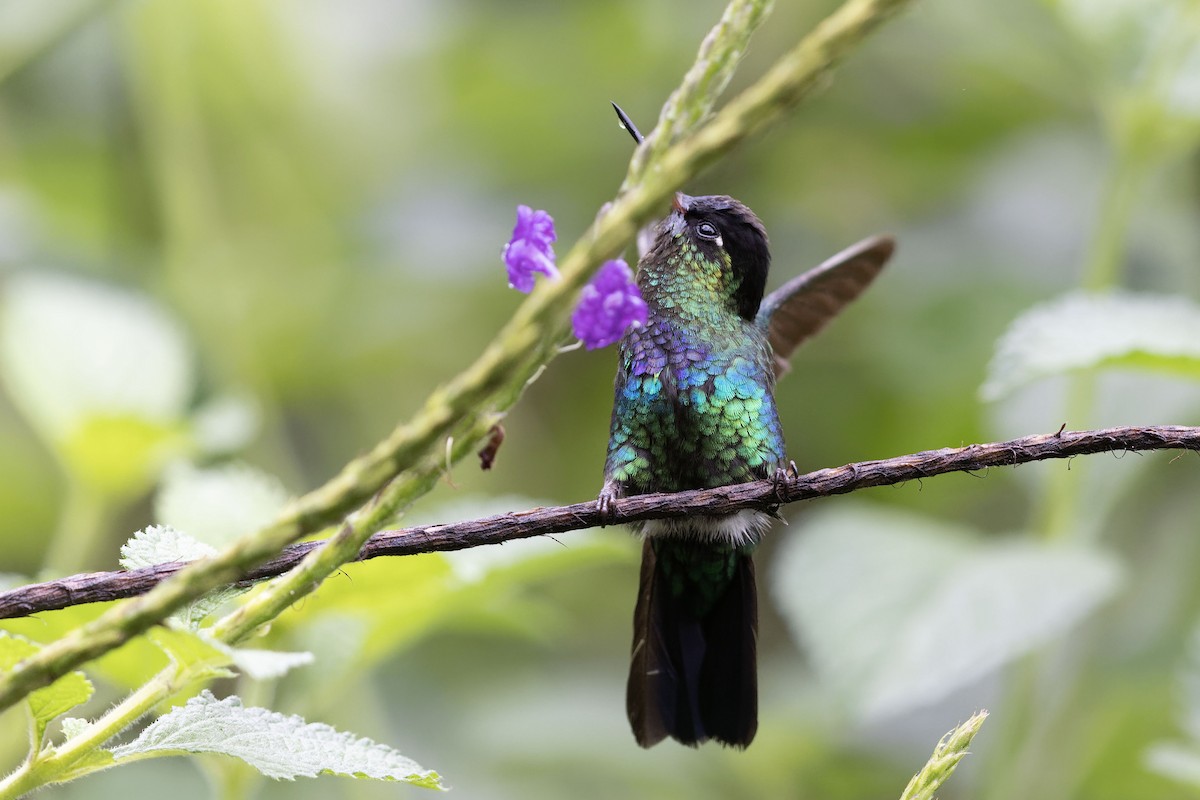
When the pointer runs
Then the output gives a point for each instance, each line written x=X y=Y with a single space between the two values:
x=805 y=304
x=692 y=672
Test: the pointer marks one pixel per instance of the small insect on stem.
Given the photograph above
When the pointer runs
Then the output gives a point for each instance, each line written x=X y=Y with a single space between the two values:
x=627 y=124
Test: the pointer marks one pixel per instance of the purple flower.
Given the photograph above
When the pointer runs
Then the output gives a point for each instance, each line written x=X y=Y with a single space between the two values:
x=530 y=249
x=609 y=305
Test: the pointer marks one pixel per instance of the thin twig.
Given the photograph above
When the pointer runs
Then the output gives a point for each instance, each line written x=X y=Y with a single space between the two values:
x=102 y=586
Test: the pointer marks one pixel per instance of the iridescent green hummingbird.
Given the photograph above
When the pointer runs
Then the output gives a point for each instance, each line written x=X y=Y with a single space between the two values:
x=694 y=408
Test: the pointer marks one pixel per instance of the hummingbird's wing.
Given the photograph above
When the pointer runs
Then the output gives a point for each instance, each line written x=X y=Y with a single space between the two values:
x=803 y=305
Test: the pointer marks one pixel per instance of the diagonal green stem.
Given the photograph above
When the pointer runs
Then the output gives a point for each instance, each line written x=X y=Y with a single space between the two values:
x=715 y=64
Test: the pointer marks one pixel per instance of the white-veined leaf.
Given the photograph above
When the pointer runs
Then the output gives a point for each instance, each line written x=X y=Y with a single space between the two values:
x=279 y=746
x=1081 y=331
x=897 y=611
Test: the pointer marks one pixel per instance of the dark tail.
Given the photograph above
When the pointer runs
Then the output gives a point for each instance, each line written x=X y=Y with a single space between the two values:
x=693 y=675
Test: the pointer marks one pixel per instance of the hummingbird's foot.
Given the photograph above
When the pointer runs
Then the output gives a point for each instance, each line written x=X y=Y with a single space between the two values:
x=606 y=503
x=781 y=478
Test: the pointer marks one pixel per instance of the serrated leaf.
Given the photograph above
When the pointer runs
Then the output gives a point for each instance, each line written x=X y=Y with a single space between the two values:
x=279 y=746
x=45 y=704
x=1079 y=331
x=161 y=544
x=897 y=611
x=69 y=691
x=220 y=504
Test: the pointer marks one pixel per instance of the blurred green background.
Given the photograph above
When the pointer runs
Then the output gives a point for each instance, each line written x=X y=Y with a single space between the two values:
x=261 y=232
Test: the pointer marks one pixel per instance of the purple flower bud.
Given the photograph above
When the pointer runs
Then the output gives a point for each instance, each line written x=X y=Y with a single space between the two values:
x=530 y=249
x=609 y=305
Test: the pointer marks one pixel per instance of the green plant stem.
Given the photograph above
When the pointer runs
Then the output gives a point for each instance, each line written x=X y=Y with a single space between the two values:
x=59 y=764
x=949 y=751
x=489 y=386
x=697 y=93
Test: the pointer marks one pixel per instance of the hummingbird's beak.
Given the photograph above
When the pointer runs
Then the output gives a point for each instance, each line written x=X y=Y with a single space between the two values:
x=681 y=202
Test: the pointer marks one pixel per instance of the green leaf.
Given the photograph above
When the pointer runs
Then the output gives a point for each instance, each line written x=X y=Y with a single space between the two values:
x=279 y=746
x=162 y=544
x=189 y=651
x=1151 y=332
x=220 y=504
x=120 y=455
x=196 y=651
x=128 y=666
x=45 y=704
x=897 y=611
x=104 y=375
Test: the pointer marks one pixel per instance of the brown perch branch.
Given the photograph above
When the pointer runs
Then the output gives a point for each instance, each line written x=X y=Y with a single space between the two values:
x=95 y=587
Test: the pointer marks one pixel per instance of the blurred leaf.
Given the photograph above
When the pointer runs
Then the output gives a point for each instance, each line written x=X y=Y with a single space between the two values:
x=45 y=704
x=190 y=651
x=72 y=349
x=226 y=423
x=217 y=505
x=1178 y=761
x=1079 y=331
x=1117 y=25
x=128 y=666
x=263 y=665
x=1181 y=760
x=118 y=456
x=196 y=651
x=104 y=375
x=281 y=747
x=897 y=611
x=397 y=599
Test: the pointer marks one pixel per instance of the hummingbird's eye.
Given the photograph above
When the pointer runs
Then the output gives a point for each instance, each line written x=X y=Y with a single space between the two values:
x=707 y=230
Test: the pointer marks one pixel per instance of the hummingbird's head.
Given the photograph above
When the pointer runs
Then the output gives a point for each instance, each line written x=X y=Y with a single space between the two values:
x=717 y=226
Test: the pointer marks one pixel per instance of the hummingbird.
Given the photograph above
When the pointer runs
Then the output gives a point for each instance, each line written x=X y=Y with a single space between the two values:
x=694 y=408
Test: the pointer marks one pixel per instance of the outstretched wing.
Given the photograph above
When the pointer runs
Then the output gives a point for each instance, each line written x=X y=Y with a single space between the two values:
x=803 y=305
